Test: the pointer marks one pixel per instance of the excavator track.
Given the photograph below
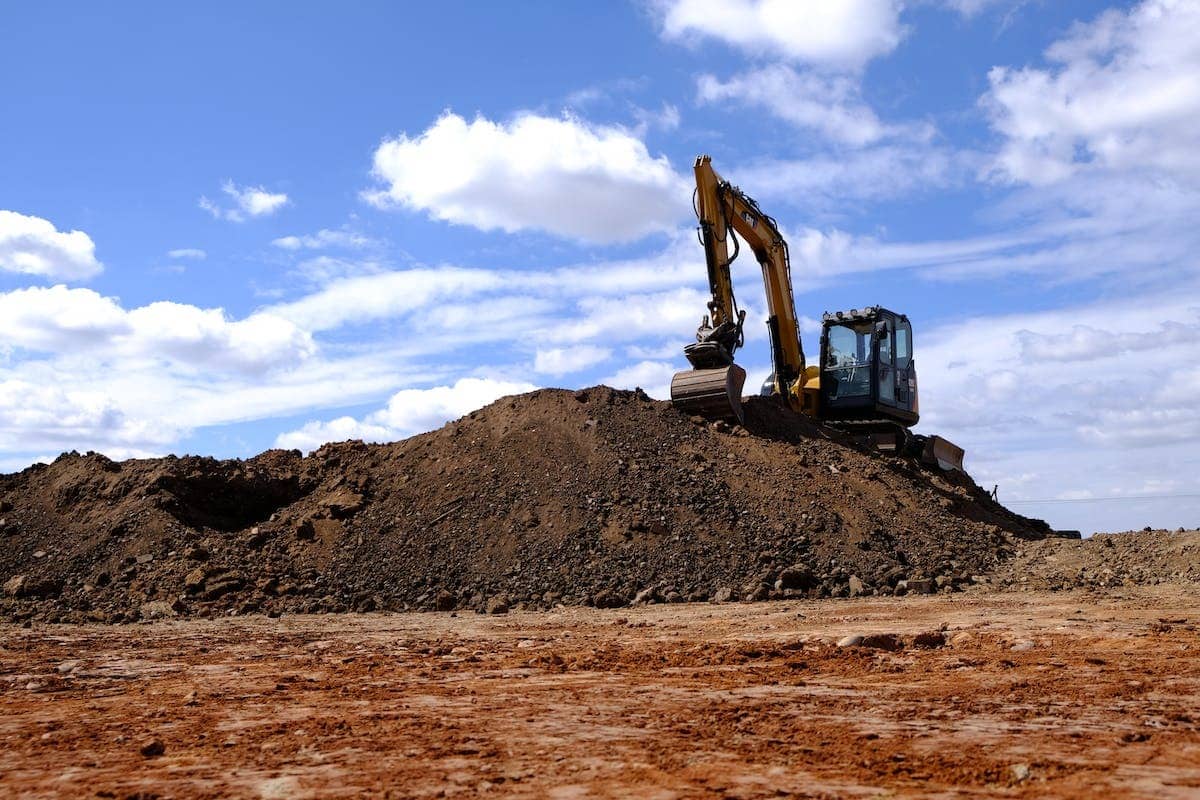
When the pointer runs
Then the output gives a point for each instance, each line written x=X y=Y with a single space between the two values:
x=714 y=394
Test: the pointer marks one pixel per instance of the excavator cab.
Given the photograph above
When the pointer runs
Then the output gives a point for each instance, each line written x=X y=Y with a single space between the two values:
x=867 y=370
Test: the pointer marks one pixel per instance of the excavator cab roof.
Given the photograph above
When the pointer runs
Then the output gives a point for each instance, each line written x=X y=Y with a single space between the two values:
x=866 y=314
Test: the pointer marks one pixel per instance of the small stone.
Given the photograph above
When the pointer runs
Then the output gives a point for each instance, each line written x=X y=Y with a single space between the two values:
x=1022 y=645
x=497 y=604
x=156 y=609
x=69 y=666
x=856 y=586
x=16 y=586
x=152 y=748
x=796 y=576
x=850 y=641
x=1019 y=772
x=606 y=598
x=644 y=597
x=918 y=586
x=722 y=595
x=194 y=579
x=145 y=558
x=445 y=601
x=39 y=553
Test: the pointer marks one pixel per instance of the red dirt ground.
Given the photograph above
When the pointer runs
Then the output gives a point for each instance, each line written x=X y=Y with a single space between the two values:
x=1065 y=695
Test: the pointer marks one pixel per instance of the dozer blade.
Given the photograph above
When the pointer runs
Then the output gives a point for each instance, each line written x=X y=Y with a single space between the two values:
x=942 y=453
x=710 y=393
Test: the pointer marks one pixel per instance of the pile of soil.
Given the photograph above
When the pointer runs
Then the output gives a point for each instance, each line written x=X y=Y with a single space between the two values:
x=1136 y=558
x=597 y=496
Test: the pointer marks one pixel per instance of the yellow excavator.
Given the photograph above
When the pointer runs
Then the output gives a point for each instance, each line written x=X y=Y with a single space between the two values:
x=866 y=381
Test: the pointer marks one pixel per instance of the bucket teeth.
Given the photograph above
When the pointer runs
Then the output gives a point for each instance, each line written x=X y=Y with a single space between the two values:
x=714 y=394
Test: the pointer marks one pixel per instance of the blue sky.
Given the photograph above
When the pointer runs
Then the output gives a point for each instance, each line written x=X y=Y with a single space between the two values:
x=226 y=227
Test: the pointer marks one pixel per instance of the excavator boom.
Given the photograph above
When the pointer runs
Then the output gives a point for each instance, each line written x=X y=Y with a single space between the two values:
x=713 y=388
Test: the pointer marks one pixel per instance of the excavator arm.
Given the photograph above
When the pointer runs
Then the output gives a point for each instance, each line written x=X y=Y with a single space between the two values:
x=713 y=388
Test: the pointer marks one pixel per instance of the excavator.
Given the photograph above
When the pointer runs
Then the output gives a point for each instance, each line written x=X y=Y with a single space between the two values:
x=866 y=381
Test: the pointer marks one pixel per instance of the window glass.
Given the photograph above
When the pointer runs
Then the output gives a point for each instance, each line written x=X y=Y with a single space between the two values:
x=903 y=345
x=887 y=374
x=847 y=364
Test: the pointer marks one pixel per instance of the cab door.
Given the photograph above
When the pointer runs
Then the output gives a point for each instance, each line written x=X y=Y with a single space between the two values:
x=906 y=377
x=885 y=364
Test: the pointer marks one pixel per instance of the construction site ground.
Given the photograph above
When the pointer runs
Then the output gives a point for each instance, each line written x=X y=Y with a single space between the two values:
x=1078 y=693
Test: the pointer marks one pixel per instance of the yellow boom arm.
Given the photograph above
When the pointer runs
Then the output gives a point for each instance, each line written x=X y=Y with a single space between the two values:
x=723 y=207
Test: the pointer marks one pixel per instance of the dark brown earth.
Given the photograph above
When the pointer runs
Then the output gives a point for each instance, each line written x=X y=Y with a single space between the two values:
x=1146 y=557
x=595 y=497
x=982 y=694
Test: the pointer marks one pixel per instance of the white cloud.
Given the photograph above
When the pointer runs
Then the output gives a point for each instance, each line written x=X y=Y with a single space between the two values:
x=558 y=175
x=829 y=181
x=1124 y=93
x=652 y=377
x=843 y=35
x=324 y=239
x=1085 y=343
x=48 y=416
x=559 y=361
x=408 y=412
x=187 y=253
x=60 y=320
x=365 y=298
x=249 y=201
x=33 y=246
x=829 y=104
x=971 y=8
x=1092 y=398
x=666 y=118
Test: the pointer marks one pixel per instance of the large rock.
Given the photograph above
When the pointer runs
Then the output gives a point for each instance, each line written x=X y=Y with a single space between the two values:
x=16 y=586
x=607 y=598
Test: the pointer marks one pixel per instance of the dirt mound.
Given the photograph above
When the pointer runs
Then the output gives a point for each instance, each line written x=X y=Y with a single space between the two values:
x=1106 y=560
x=595 y=497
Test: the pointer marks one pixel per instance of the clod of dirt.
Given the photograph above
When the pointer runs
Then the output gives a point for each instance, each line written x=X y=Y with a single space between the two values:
x=590 y=497
x=152 y=748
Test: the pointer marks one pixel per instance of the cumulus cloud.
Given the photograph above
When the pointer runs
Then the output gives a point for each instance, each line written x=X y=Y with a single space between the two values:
x=248 y=201
x=652 y=377
x=408 y=412
x=1093 y=397
x=562 y=176
x=63 y=418
x=1123 y=92
x=58 y=319
x=559 y=361
x=841 y=35
x=33 y=246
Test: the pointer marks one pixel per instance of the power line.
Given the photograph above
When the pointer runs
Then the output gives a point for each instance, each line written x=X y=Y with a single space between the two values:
x=1103 y=499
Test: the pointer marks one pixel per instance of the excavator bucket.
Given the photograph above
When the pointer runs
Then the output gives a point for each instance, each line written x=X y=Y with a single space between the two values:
x=939 y=452
x=714 y=394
